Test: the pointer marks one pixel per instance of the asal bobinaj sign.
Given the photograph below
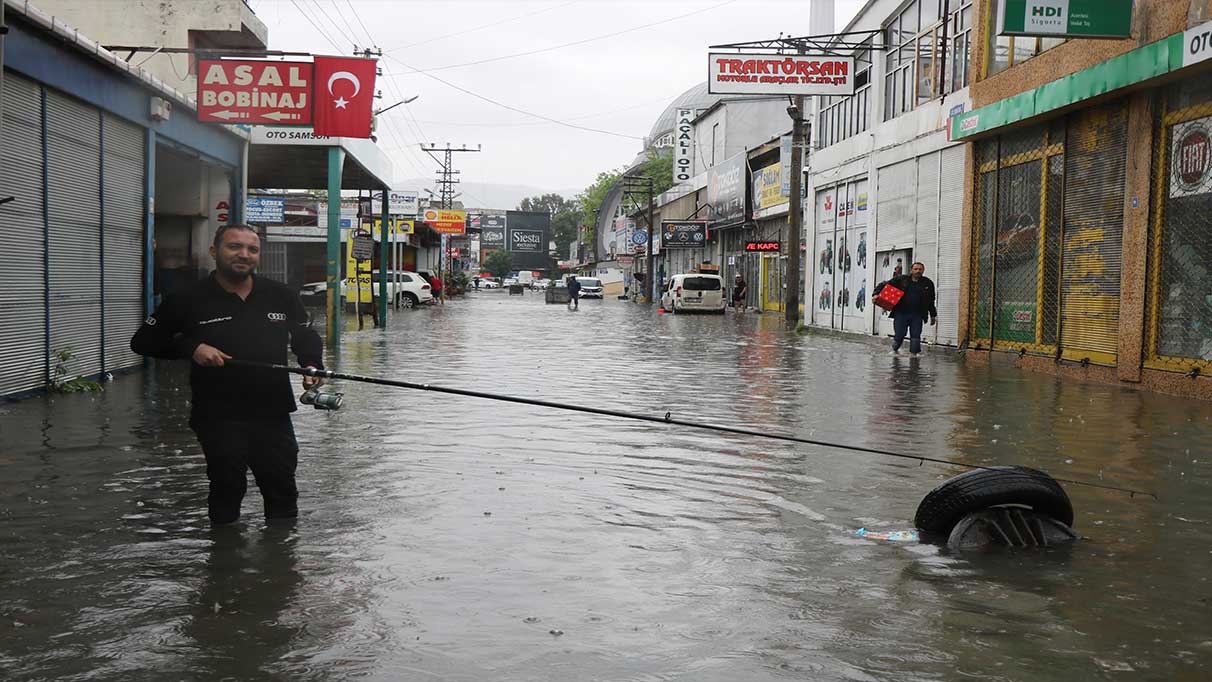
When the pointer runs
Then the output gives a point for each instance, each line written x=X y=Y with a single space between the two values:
x=247 y=91
x=767 y=74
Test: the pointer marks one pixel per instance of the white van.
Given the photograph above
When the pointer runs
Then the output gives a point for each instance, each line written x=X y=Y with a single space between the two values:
x=694 y=292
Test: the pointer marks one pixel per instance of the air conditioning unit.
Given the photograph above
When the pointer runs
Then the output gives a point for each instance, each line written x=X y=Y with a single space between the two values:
x=161 y=109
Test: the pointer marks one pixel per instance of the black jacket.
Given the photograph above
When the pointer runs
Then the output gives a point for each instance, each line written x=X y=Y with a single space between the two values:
x=257 y=328
x=919 y=296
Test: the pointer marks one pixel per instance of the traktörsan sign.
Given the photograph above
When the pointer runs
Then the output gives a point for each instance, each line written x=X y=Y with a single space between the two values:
x=768 y=74
x=526 y=241
x=1065 y=18
x=683 y=147
x=245 y=91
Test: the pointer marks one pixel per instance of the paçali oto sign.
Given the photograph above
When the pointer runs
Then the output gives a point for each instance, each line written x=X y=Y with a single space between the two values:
x=683 y=146
x=1191 y=158
x=265 y=210
x=769 y=74
x=444 y=221
x=768 y=187
x=683 y=234
x=1065 y=18
x=526 y=241
x=246 y=91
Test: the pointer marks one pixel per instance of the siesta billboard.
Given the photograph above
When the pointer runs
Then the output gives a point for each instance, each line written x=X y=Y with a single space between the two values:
x=768 y=74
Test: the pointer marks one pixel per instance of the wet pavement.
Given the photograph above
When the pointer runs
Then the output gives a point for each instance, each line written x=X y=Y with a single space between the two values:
x=450 y=538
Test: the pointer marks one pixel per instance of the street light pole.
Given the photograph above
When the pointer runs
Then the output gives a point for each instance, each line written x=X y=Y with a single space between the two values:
x=795 y=217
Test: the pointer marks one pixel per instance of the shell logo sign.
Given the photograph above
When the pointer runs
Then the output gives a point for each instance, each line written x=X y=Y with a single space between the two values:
x=445 y=221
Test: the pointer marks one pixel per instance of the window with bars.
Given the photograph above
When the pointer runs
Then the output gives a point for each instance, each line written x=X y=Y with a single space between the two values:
x=842 y=117
x=928 y=47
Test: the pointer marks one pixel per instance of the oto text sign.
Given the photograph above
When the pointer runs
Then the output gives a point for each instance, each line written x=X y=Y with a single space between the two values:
x=264 y=210
x=769 y=74
x=251 y=92
x=445 y=221
x=1065 y=18
x=683 y=234
x=683 y=146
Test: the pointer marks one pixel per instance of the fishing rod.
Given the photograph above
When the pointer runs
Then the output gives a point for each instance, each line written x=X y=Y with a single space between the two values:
x=668 y=418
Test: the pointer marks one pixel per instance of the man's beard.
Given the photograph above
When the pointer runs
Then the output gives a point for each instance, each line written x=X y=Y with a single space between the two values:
x=230 y=273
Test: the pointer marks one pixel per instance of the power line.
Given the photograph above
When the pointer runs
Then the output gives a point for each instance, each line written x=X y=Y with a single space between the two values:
x=539 y=123
x=513 y=108
x=336 y=8
x=332 y=23
x=314 y=25
x=359 y=18
x=579 y=42
x=484 y=26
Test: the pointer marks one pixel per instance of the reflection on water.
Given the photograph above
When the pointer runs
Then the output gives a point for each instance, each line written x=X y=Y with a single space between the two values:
x=447 y=538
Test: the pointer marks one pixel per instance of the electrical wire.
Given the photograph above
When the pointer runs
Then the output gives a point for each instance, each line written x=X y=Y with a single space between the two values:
x=314 y=25
x=578 y=42
x=667 y=419
x=481 y=27
x=512 y=108
x=352 y=41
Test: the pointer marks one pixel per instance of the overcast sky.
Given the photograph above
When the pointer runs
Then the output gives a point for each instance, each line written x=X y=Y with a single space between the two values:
x=619 y=83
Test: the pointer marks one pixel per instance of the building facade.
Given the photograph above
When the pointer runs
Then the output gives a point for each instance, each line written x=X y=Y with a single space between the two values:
x=1090 y=176
x=884 y=177
x=109 y=175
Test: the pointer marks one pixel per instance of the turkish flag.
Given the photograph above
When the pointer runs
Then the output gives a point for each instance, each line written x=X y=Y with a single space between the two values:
x=344 y=96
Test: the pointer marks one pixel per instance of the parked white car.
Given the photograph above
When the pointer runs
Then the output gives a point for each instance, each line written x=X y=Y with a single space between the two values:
x=591 y=287
x=694 y=292
x=410 y=290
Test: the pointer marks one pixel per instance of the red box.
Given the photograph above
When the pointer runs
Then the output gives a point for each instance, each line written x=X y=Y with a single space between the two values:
x=888 y=297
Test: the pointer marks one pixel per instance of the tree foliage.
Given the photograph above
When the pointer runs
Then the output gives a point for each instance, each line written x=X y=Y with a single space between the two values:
x=499 y=263
x=659 y=167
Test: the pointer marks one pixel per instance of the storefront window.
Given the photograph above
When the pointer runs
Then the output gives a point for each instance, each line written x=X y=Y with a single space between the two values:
x=844 y=117
x=1006 y=51
x=927 y=53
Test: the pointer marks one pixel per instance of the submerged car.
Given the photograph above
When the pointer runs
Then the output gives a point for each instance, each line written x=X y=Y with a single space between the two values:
x=591 y=287
x=694 y=292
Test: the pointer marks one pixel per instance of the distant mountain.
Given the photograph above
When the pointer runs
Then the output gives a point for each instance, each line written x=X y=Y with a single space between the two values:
x=487 y=194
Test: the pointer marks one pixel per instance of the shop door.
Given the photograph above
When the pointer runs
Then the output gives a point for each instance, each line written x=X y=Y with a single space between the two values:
x=22 y=243
x=1095 y=161
x=772 y=283
x=73 y=177
x=123 y=162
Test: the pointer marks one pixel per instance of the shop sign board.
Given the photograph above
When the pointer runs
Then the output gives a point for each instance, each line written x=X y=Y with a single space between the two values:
x=639 y=237
x=726 y=189
x=785 y=164
x=770 y=74
x=768 y=187
x=683 y=234
x=1065 y=18
x=492 y=231
x=445 y=221
x=526 y=241
x=265 y=210
x=683 y=146
x=1197 y=44
x=763 y=246
x=1191 y=158
x=254 y=92
x=403 y=202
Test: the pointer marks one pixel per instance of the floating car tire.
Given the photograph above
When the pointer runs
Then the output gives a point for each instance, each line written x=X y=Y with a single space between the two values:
x=981 y=489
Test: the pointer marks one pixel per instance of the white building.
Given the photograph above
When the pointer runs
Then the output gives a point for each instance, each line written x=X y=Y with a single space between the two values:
x=885 y=182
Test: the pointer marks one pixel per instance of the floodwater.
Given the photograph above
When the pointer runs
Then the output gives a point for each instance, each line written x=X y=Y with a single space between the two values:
x=449 y=538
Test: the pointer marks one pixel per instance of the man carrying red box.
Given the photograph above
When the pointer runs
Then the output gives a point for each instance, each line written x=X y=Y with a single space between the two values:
x=910 y=312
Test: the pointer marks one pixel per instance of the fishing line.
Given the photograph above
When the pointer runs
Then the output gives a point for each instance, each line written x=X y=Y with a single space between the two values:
x=668 y=418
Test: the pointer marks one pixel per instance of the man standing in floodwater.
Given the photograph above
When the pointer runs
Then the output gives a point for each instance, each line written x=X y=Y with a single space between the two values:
x=911 y=311
x=241 y=415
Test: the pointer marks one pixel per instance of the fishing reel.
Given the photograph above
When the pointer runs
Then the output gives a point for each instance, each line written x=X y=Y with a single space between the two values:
x=321 y=401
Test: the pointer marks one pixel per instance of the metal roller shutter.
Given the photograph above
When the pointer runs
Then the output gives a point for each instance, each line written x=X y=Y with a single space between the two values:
x=123 y=161
x=925 y=244
x=895 y=212
x=22 y=243
x=950 y=229
x=1095 y=160
x=73 y=132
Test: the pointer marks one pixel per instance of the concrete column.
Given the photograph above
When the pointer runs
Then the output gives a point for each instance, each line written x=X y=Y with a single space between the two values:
x=1132 y=282
x=336 y=164
x=967 y=230
x=149 y=221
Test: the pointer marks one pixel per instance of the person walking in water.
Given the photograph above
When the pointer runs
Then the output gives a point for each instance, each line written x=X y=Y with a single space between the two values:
x=241 y=415
x=574 y=293
x=739 y=291
x=912 y=310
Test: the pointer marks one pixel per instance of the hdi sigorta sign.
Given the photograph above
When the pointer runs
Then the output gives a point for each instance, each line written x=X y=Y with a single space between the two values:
x=1065 y=18
x=730 y=73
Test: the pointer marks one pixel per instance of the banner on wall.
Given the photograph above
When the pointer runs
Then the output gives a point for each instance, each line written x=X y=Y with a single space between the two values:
x=768 y=187
x=1191 y=158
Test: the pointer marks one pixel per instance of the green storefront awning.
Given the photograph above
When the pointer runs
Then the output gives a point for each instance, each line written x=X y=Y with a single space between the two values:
x=1141 y=64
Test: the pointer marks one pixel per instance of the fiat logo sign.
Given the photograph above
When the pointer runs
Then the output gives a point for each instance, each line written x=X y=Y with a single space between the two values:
x=1192 y=158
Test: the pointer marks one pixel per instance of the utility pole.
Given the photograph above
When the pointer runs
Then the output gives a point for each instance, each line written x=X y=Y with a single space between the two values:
x=446 y=194
x=641 y=186
x=795 y=215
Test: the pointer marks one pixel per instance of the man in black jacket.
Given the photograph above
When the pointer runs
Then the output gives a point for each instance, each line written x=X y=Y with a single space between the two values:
x=241 y=415
x=911 y=311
